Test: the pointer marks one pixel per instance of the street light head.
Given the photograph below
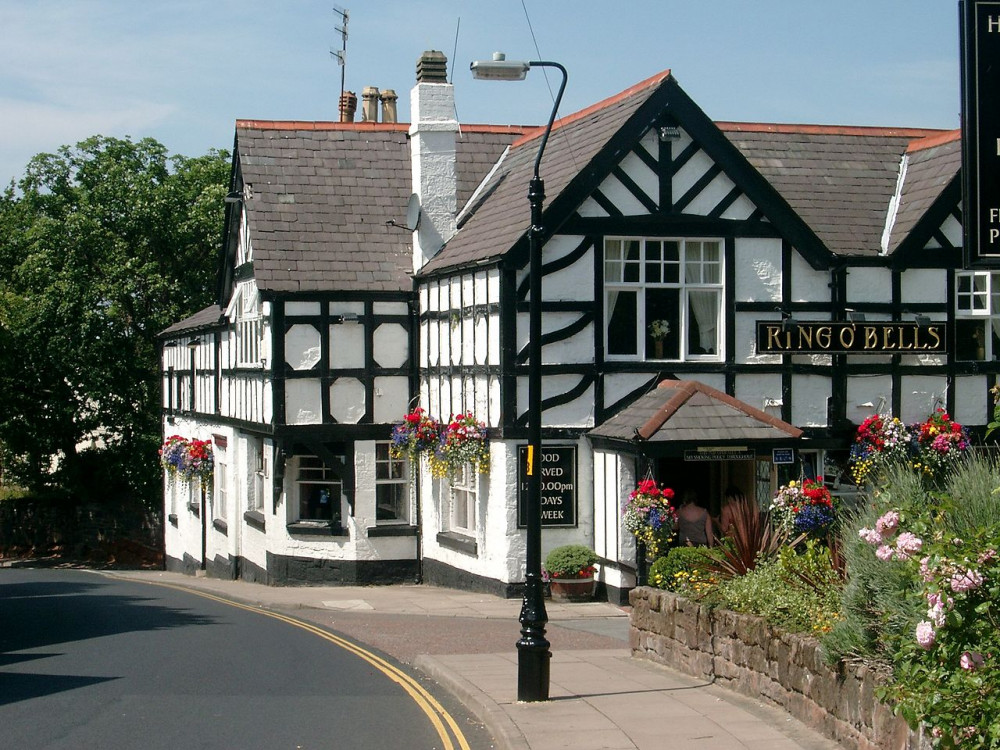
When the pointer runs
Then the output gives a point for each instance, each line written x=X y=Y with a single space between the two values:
x=499 y=69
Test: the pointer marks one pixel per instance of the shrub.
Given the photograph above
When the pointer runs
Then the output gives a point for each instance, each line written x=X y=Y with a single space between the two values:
x=753 y=537
x=930 y=561
x=797 y=592
x=682 y=569
x=571 y=561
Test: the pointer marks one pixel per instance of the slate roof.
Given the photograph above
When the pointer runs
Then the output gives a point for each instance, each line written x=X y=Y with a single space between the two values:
x=686 y=410
x=502 y=218
x=322 y=194
x=207 y=319
x=932 y=164
x=840 y=180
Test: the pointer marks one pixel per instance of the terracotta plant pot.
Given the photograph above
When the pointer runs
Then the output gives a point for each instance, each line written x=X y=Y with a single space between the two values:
x=572 y=589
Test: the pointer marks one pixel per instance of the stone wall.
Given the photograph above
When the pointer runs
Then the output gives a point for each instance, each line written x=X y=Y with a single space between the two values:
x=743 y=653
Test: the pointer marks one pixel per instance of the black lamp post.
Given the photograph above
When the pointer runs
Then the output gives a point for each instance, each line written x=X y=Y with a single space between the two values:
x=532 y=648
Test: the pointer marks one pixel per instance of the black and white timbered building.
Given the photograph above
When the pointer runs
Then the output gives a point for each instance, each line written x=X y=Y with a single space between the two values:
x=722 y=304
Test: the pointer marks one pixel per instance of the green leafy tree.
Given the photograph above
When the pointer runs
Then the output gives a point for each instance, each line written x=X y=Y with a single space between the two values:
x=102 y=245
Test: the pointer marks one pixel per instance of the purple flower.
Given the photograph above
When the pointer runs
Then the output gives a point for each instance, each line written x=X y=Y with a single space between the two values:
x=884 y=552
x=925 y=634
x=971 y=660
x=907 y=545
x=887 y=524
x=966 y=580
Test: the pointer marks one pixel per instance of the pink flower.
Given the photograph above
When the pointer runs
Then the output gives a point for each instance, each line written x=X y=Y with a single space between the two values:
x=971 y=660
x=925 y=634
x=887 y=524
x=907 y=545
x=937 y=614
x=966 y=580
x=870 y=535
x=925 y=570
x=884 y=552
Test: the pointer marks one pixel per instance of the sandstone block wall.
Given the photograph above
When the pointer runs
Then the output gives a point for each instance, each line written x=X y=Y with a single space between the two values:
x=745 y=654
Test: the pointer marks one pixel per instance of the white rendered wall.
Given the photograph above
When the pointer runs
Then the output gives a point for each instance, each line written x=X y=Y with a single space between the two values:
x=920 y=395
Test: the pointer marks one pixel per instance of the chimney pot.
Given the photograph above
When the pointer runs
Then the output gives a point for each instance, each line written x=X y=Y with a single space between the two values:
x=369 y=104
x=432 y=67
x=388 y=98
x=348 y=106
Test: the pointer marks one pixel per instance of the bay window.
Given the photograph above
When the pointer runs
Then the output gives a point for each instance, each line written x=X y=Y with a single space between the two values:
x=663 y=299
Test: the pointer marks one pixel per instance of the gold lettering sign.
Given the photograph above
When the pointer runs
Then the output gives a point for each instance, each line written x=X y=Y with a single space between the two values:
x=850 y=338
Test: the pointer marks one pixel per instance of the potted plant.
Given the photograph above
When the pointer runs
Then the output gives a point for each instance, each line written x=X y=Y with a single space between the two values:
x=570 y=570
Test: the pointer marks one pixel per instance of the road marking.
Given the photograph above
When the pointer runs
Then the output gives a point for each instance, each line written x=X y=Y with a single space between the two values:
x=439 y=717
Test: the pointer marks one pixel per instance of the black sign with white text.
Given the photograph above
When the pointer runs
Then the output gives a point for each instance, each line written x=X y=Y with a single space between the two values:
x=980 y=40
x=558 y=467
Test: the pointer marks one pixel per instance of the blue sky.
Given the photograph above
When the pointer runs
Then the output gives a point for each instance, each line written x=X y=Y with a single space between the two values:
x=182 y=71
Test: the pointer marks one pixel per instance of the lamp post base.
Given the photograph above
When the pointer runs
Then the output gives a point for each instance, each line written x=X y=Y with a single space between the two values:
x=533 y=654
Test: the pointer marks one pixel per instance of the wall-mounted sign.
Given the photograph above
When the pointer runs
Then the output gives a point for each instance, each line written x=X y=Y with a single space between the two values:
x=783 y=337
x=736 y=454
x=558 y=467
x=783 y=455
x=980 y=53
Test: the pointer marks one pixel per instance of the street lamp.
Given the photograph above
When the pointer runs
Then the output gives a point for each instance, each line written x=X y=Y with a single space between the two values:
x=533 y=653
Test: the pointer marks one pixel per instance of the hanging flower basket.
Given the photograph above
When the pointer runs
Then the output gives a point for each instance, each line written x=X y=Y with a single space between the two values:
x=416 y=434
x=650 y=516
x=188 y=459
x=173 y=453
x=464 y=440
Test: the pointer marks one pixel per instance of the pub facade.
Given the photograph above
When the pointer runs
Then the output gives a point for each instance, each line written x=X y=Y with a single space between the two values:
x=722 y=302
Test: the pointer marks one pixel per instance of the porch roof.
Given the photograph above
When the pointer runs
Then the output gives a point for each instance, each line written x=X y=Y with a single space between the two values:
x=686 y=410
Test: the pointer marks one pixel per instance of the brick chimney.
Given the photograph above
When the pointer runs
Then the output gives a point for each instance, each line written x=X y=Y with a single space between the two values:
x=433 y=130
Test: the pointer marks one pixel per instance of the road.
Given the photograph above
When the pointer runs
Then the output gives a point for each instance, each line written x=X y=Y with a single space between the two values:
x=88 y=661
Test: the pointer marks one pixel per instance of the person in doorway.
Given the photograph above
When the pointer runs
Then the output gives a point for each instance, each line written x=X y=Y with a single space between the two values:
x=694 y=524
x=732 y=499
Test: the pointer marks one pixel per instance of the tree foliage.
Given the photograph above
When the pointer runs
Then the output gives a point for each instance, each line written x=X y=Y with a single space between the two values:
x=102 y=245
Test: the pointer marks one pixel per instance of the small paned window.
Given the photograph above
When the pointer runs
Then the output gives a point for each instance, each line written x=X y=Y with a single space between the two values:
x=663 y=299
x=392 y=487
x=221 y=482
x=319 y=491
x=977 y=315
x=464 y=493
x=249 y=326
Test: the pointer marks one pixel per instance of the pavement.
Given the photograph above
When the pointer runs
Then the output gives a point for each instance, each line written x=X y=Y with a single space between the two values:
x=599 y=697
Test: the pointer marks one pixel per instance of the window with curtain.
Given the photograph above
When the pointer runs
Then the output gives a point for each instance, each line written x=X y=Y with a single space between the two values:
x=663 y=298
x=977 y=315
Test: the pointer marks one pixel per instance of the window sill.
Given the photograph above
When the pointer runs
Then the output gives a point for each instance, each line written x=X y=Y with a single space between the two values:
x=458 y=542
x=194 y=509
x=315 y=528
x=172 y=518
x=219 y=525
x=255 y=519
x=394 y=529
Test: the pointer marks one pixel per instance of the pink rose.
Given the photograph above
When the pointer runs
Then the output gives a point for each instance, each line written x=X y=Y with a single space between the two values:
x=884 y=552
x=925 y=570
x=870 y=535
x=907 y=545
x=925 y=634
x=971 y=660
x=966 y=580
x=887 y=524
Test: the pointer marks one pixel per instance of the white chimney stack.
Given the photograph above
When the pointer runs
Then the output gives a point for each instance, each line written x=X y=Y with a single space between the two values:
x=433 y=129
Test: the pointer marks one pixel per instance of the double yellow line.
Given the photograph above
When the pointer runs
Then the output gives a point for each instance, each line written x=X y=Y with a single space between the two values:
x=443 y=722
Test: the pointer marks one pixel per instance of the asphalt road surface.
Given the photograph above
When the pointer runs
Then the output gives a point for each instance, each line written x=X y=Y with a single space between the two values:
x=93 y=662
